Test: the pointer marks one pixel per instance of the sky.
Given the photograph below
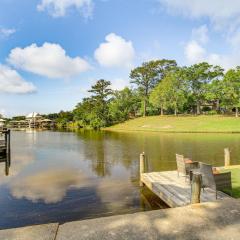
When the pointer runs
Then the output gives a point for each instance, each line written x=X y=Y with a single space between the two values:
x=52 y=51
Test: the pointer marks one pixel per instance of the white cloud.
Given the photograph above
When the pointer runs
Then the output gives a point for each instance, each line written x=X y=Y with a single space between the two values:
x=12 y=82
x=227 y=61
x=58 y=8
x=49 y=60
x=115 y=52
x=200 y=34
x=6 y=32
x=119 y=83
x=194 y=52
x=218 y=11
x=224 y=15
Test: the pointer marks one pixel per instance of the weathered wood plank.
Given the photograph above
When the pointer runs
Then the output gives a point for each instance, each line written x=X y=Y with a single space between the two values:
x=206 y=195
x=174 y=190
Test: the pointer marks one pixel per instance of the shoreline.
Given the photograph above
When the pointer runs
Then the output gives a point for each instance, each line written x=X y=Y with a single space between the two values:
x=159 y=131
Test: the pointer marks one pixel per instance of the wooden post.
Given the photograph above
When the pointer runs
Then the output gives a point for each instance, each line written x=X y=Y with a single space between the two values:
x=227 y=158
x=9 y=147
x=196 y=188
x=142 y=166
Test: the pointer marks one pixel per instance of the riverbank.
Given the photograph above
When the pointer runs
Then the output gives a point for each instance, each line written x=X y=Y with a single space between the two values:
x=215 y=220
x=181 y=124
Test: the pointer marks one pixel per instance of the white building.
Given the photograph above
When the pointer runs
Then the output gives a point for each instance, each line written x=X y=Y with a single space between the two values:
x=33 y=119
x=2 y=123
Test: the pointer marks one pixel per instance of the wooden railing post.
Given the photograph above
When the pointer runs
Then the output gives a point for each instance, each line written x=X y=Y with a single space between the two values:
x=9 y=147
x=196 y=188
x=227 y=158
x=142 y=166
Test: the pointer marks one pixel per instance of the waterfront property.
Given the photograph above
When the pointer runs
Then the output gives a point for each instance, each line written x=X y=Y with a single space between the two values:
x=32 y=120
x=2 y=123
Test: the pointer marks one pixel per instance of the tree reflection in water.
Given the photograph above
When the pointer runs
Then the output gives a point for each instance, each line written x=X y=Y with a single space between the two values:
x=63 y=176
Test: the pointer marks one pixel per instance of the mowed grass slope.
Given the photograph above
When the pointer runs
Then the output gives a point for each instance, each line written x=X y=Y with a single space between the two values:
x=221 y=124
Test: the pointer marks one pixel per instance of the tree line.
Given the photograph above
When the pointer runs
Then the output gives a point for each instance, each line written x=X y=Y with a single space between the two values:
x=158 y=87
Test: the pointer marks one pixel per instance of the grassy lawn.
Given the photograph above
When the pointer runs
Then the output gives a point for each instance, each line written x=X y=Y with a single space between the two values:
x=235 y=171
x=221 y=124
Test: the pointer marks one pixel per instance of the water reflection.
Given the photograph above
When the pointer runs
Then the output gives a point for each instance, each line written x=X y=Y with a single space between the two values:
x=58 y=177
x=48 y=185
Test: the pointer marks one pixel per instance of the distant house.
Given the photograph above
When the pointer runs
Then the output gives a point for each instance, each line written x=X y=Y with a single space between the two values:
x=2 y=123
x=33 y=120
x=33 y=116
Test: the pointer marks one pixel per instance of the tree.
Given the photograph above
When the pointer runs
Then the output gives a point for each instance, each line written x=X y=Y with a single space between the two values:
x=148 y=75
x=125 y=104
x=199 y=75
x=175 y=87
x=64 y=118
x=94 y=110
x=159 y=97
x=170 y=92
x=214 y=93
x=18 y=118
x=83 y=112
x=231 y=89
x=101 y=93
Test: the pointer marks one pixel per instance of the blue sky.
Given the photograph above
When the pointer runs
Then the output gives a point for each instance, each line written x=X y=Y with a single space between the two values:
x=52 y=51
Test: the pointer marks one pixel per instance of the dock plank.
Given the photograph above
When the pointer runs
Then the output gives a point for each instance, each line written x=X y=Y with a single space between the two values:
x=176 y=191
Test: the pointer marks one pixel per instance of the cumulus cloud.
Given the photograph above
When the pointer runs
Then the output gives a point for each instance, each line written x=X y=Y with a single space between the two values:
x=49 y=60
x=218 y=11
x=58 y=8
x=119 y=83
x=224 y=15
x=115 y=52
x=194 y=52
x=6 y=32
x=12 y=82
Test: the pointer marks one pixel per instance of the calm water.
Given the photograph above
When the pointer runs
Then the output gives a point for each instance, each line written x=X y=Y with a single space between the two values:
x=62 y=176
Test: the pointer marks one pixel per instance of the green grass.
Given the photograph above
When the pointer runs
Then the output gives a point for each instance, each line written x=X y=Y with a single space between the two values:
x=235 y=173
x=204 y=124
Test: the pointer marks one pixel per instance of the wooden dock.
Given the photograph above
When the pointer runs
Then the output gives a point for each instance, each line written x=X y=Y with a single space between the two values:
x=176 y=191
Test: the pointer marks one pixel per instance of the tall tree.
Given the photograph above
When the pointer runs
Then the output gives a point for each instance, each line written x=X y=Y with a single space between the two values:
x=125 y=104
x=159 y=97
x=176 y=89
x=214 y=93
x=148 y=75
x=171 y=91
x=199 y=75
x=101 y=93
x=231 y=89
x=84 y=112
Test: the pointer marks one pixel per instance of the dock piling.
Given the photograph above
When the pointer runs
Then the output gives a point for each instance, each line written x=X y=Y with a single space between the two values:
x=196 y=188
x=142 y=166
x=6 y=149
x=227 y=158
